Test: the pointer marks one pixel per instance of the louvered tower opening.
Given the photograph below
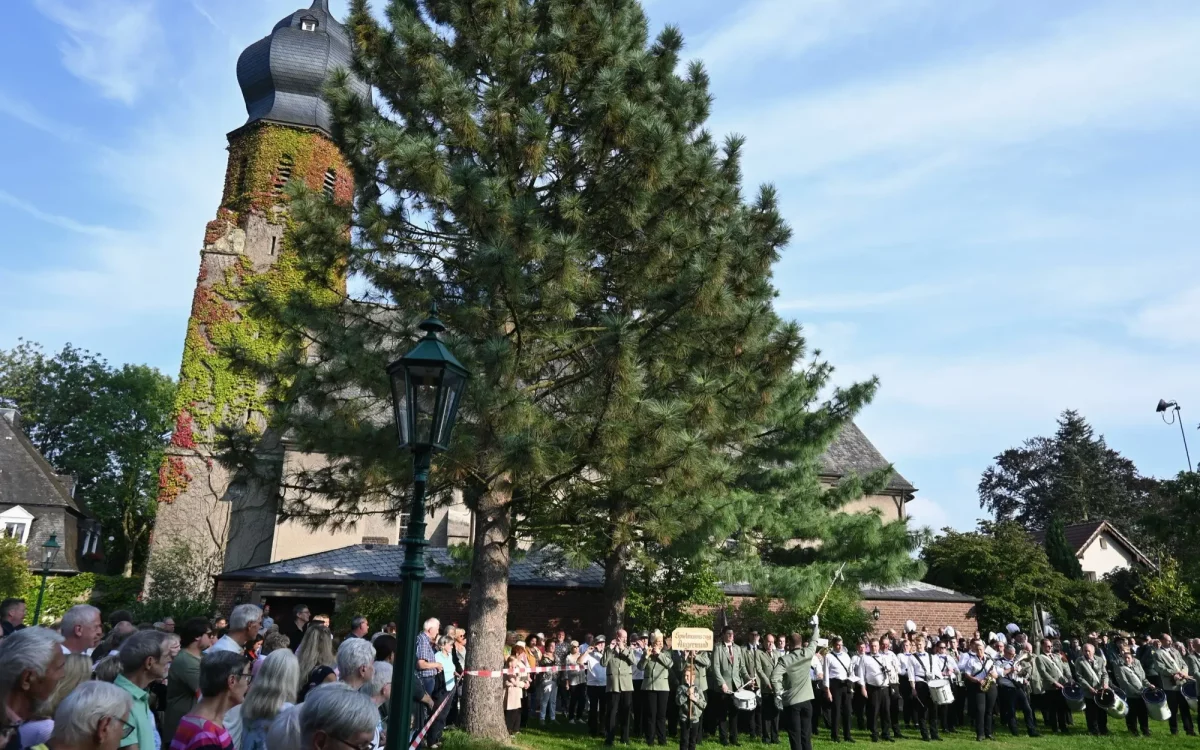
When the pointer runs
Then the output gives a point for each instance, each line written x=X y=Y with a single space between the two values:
x=330 y=182
x=283 y=173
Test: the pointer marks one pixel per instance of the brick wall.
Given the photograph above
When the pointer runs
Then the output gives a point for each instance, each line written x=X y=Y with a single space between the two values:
x=929 y=615
x=231 y=593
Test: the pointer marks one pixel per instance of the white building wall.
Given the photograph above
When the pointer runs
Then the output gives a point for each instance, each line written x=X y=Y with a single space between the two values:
x=1104 y=555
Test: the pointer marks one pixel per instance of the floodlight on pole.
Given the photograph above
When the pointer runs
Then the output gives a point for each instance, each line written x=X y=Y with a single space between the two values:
x=1171 y=408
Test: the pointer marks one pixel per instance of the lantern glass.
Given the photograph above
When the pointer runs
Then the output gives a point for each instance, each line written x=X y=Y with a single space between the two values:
x=424 y=385
x=400 y=405
x=50 y=550
x=453 y=384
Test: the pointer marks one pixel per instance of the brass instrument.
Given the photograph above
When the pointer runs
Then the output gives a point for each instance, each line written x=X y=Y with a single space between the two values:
x=988 y=683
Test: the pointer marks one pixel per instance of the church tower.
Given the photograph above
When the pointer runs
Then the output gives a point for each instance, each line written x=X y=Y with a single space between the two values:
x=226 y=515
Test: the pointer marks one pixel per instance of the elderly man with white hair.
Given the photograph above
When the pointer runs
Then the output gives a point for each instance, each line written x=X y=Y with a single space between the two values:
x=81 y=629
x=332 y=717
x=145 y=658
x=31 y=665
x=244 y=623
x=95 y=716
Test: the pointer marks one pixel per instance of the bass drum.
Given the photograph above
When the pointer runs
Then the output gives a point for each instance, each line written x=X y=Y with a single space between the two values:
x=1074 y=697
x=1113 y=703
x=1189 y=693
x=1156 y=704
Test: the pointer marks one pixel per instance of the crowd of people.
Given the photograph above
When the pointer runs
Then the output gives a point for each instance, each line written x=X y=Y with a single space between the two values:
x=250 y=683
x=894 y=686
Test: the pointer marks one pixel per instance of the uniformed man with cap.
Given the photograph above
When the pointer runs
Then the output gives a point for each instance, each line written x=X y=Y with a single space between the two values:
x=758 y=667
x=729 y=674
x=792 y=689
x=1173 y=672
x=1130 y=676
x=618 y=660
x=1049 y=675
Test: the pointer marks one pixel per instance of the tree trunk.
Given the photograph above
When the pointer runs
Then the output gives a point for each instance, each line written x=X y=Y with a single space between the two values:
x=483 y=704
x=614 y=587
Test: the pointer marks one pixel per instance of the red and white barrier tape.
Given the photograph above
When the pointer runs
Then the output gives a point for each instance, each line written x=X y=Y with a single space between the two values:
x=425 y=729
x=522 y=670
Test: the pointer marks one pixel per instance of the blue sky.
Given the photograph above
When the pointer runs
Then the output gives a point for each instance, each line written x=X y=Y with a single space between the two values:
x=994 y=203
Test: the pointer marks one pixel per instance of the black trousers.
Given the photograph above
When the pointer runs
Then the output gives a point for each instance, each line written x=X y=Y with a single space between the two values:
x=577 y=702
x=619 y=706
x=654 y=715
x=1179 y=710
x=839 y=713
x=908 y=708
x=879 y=711
x=727 y=718
x=1056 y=709
x=1013 y=698
x=797 y=722
x=689 y=733
x=983 y=705
x=1137 y=716
x=639 y=705
x=597 y=708
x=672 y=714
x=926 y=711
x=860 y=708
x=896 y=707
x=770 y=719
x=1097 y=718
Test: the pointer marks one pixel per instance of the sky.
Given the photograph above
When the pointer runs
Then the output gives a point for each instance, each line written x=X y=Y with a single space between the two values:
x=994 y=203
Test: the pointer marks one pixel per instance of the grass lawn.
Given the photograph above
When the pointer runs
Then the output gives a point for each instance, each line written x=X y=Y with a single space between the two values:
x=575 y=737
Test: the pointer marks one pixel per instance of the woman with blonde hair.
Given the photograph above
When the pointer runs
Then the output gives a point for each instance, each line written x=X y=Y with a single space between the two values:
x=274 y=689
x=316 y=650
x=76 y=671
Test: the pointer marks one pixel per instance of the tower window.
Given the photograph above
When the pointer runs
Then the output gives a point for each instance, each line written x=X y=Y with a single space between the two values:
x=283 y=174
x=330 y=182
x=273 y=241
x=308 y=23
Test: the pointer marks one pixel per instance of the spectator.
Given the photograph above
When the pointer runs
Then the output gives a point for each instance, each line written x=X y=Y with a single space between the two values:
x=294 y=629
x=428 y=668
x=383 y=684
x=81 y=629
x=320 y=675
x=93 y=717
x=107 y=669
x=268 y=622
x=385 y=648
x=274 y=690
x=31 y=666
x=220 y=625
x=112 y=642
x=120 y=616
x=12 y=615
x=515 y=684
x=597 y=684
x=224 y=679
x=390 y=628
x=576 y=683
x=285 y=731
x=274 y=641
x=76 y=671
x=244 y=623
x=183 y=681
x=145 y=658
x=356 y=667
x=169 y=624
x=359 y=627
x=334 y=718
x=316 y=650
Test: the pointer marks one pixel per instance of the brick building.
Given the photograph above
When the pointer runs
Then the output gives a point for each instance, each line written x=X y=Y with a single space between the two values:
x=543 y=592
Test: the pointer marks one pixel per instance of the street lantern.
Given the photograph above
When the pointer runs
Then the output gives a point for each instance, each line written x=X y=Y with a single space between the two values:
x=875 y=614
x=427 y=388
x=50 y=552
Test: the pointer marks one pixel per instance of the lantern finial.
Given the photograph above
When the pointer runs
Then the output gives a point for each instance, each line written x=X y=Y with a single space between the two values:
x=431 y=325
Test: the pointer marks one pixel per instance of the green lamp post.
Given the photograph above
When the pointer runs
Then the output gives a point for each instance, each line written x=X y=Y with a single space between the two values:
x=427 y=388
x=50 y=552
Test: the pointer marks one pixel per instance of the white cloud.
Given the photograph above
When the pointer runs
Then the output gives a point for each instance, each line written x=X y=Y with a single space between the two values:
x=1174 y=321
x=27 y=114
x=786 y=29
x=114 y=44
x=1095 y=74
x=64 y=222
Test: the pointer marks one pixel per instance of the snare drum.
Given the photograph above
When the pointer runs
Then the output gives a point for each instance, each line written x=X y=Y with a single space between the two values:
x=940 y=692
x=745 y=700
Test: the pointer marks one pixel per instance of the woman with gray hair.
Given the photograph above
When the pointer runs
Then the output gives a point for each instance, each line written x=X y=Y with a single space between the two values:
x=274 y=690
x=334 y=717
x=95 y=716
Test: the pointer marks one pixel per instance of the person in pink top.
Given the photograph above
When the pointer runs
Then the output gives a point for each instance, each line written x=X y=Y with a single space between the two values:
x=224 y=679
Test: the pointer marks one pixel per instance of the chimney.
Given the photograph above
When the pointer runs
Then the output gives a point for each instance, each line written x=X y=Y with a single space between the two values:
x=11 y=415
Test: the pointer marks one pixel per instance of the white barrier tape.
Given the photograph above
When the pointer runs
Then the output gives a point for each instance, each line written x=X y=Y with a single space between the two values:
x=522 y=670
x=425 y=729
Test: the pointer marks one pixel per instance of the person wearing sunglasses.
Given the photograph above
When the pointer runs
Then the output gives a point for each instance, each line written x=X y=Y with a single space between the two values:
x=224 y=679
x=95 y=716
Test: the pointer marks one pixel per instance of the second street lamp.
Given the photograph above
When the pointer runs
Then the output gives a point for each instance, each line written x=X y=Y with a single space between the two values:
x=427 y=388
x=50 y=552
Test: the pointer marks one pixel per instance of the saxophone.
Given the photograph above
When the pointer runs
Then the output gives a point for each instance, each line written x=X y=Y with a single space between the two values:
x=988 y=683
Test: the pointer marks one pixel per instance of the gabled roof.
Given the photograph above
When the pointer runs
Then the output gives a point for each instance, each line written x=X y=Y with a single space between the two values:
x=852 y=453
x=380 y=563
x=25 y=477
x=1081 y=535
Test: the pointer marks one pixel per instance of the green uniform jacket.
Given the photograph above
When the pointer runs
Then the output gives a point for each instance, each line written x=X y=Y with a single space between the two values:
x=1193 y=664
x=759 y=666
x=699 y=700
x=1131 y=678
x=725 y=673
x=1167 y=662
x=619 y=664
x=1047 y=670
x=657 y=671
x=701 y=661
x=791 y=679
x=1091 y=674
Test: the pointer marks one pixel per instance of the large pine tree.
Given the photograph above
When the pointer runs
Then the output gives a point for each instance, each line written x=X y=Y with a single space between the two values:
x=539 y=169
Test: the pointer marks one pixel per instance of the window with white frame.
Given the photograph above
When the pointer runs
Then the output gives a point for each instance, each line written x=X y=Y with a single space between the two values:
x=16 y=523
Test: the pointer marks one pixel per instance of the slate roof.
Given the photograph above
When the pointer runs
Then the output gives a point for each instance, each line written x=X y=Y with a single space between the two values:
x=1080 y=535
x=852 y=453
x=380 y=563
x=914 y=591
x=25 y=477
x=283 y=75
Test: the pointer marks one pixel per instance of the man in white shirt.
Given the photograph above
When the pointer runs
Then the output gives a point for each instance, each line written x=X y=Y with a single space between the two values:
x=81 y=629
x=597 y=684
x=979 y=669
x=244 y=623
x=897 y=671
x=876 y=672
x=840 y=679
